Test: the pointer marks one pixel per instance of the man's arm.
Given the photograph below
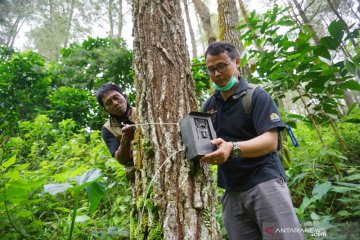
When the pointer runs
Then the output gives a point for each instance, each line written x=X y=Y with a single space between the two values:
x=124 y=153
x=256 y=147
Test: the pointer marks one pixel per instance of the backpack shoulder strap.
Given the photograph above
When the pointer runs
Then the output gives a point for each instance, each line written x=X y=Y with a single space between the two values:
x=246 y=99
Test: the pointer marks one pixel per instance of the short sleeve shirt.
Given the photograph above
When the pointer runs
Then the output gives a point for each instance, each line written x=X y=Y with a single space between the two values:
x=232 y=123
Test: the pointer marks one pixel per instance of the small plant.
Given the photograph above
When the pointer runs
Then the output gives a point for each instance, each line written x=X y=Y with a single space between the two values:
x=95 y=189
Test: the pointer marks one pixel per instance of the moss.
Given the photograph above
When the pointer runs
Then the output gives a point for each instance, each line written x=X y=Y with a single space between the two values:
x=148 y=147
x=156 y=232
x=145 y=231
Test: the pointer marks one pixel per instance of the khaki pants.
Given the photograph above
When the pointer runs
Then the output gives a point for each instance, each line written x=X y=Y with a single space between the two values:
x=262 y=212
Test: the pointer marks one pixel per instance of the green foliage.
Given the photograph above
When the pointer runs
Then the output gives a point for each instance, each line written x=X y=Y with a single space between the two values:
x=95 y=62
x=290 y=62
x=24 y=83
x=202 y=80
x=324 y=182
x=76 y=104
x=94 y=189
x=43 y=154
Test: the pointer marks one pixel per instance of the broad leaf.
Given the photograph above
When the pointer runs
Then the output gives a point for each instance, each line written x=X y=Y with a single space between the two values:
x=351 y=84
x=320 y=190
x=350 y=66
x=90 y=176
x=8 y=162
x=322 y=52
x=56 y=188
x=82 y=218
x=329 y=43
x=95 y=193
x=337 y=29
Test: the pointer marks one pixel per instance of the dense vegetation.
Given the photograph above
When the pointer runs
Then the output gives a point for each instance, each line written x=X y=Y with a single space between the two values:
x=59 y=181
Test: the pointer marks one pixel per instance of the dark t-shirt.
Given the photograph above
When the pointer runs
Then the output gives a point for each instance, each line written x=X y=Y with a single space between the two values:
x=111 y=141
x=232 y=123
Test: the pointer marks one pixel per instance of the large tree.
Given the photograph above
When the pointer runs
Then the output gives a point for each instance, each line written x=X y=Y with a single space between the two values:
x=228 y=20
x=180 y=201
x=13 y=14
x=205 y=17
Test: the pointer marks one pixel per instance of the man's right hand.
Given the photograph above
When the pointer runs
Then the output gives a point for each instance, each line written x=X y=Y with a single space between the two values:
x=128 y=132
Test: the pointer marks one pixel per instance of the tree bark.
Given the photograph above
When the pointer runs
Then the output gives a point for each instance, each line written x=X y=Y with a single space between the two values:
x=181 y=201
x=228 y=19
x=191 y=31
x=205 y=18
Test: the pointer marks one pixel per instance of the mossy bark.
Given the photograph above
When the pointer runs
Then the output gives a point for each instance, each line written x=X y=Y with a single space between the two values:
x=173 y=198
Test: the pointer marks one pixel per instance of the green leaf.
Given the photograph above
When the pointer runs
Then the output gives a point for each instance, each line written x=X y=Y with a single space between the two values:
x=337 y=29
x=82 y=218
x=320 y=190
x=354 y=185
x=315 y=217
x=339 y=189
x=8 y=162
x=329 y=43
x=350 y=84
x=286 y=23
x=90 y=176
x=350 y=66
x=53 y=189
x=322 y=51
x=95 y=193
x=343 y=213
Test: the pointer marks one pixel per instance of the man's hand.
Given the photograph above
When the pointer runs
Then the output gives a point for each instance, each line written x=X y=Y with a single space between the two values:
x=128 y=133
x=222 y=153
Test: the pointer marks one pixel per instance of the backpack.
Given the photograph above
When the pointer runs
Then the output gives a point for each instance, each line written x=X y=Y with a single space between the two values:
x=283 y=146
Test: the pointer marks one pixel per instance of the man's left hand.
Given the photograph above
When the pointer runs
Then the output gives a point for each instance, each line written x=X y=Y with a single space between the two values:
x=220 y=155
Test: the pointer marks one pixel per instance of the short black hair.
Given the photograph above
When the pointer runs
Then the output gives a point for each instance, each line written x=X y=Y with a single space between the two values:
x=217 y=48
x=104 y=89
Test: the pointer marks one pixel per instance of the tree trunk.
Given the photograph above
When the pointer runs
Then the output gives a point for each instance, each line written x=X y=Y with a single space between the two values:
x=175 y=198
x=111 y=20
x=69 y=22
x=205 y=18
x=120 y=18
x=191 y=31
x=228 y=19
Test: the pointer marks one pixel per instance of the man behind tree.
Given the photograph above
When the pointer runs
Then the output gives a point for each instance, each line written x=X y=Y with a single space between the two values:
x=118 y=131
x=256 y=201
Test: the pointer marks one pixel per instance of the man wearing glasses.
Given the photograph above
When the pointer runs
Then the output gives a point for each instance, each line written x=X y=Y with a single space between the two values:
x=256 y=202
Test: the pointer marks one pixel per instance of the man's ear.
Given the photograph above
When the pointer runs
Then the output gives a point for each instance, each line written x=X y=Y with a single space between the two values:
x=237 y=61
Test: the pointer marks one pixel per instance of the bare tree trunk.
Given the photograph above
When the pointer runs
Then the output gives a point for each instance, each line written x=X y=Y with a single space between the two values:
x=111 y=20
x=228 y=19
x=191 y=31
x=200 y=33
x=69 y=22
x=181 y=201
x=205 y=18
x=120 y=18
x=13 y=32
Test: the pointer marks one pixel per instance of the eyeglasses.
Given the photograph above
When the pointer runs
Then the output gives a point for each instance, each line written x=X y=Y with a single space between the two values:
x=221 y=67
